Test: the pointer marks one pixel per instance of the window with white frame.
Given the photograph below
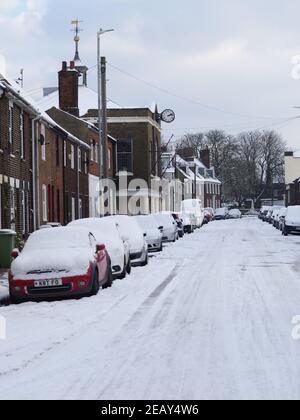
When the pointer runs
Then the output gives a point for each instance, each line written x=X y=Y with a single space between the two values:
x=44 y=204
x=109 y=159
x=22 y=151
x=12 y=208
x=43 y=146
x=80 y=215
x=85 y=163
x=10 y=124
x=23 y=207
x=73 y=209
x=65 y=153
x=92 y=150
x=96 y=152
x=72 y=156
x=79 y=159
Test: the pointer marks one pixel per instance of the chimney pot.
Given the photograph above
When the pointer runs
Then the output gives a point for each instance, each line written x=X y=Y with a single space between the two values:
x=64 y=66
x=72 y=65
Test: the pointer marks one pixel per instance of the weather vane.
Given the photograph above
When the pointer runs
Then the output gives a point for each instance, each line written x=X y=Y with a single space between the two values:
x=77 y=30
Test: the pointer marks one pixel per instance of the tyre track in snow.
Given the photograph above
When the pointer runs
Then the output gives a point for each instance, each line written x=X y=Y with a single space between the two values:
x=80 y=334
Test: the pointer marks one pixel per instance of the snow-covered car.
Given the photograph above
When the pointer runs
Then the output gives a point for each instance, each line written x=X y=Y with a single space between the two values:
x=106 y=231
x=193 y=207
x=179 y=221
x=234 y=214
x=169 y=227
x=275 y=216
x=268 y=217
x=221 y=214
x=150 y=226
x=59 y=263
x=281 y=217
x=131 y=232
x=189 y=222
x=208 y=215
x=292 y=220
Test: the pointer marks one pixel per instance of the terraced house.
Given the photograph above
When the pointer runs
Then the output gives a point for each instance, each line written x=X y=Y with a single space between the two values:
x=17 y=117
x=43 y=167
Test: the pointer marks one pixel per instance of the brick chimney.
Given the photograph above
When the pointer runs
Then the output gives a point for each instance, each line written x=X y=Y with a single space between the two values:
x=68 y=89
x=205 y=157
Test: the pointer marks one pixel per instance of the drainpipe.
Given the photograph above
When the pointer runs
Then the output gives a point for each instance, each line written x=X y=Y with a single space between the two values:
x=34 y=172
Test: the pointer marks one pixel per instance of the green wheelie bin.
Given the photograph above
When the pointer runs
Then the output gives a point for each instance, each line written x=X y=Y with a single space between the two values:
x=7 y=244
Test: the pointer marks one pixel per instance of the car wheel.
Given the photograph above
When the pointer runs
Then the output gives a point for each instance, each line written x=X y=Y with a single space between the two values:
x=146 y=262
x=285 y=232
x=96 y=284
x=14 y=300
x=124 y=272
x=110 y=278
x=128 y=268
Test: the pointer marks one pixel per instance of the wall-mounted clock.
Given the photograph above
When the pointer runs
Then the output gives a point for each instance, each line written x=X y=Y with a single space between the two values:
x=168 y=116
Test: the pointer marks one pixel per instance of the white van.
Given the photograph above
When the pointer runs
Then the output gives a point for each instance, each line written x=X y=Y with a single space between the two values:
x=192 y=214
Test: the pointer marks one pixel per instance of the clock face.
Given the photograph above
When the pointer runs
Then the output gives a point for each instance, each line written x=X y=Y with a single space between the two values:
x=168 y=116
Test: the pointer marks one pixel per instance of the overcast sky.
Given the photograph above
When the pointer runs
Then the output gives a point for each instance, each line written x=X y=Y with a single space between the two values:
x=228 y=63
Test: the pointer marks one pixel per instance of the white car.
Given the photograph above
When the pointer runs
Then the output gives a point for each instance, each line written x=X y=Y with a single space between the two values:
x=193 y=208
x=106 y=231
x=153 y=230
x=169 y=227
x=292 y=220
x=131 y=232
x=234 y=214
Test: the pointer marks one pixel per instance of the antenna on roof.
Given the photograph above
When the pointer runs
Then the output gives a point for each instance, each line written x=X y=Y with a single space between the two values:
x=20 y=79
x=75 y=23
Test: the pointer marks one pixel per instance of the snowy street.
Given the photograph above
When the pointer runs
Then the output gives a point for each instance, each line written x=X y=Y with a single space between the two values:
x=210 y=318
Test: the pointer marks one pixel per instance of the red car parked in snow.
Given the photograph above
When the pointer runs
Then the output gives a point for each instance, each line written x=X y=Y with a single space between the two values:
x=59 y=263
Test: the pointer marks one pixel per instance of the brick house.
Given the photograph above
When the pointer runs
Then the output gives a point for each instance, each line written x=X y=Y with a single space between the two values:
x=138 y=134
x=89 y=134
x=196 y=175
x=17 y=116
x=61 y=174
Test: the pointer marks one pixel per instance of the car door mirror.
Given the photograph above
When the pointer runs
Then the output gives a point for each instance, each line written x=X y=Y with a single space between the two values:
x=15 y=253
x=100 y=248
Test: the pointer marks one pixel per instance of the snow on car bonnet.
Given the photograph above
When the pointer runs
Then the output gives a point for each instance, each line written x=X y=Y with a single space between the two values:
x=60 y=251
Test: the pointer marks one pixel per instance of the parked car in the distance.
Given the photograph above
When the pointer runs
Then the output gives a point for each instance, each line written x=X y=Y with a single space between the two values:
x=292 y=221
x=132 y=233
x=209 y=214
x=170 y=230
x=153 y=231
x=106 y=231
x=221 y=214
x=193 y=208
x=281 y=218
x=234 y=214
x=275 y=216
x=59 y=263
x=179 y=221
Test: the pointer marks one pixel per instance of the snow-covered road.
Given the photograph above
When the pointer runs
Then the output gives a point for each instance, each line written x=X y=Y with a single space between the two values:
x=210 y=318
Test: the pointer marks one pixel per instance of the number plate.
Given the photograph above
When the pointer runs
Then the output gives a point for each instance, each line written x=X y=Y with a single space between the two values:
x=48 y=283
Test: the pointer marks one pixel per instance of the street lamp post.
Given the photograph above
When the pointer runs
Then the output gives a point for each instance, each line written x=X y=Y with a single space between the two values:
x=102 y=140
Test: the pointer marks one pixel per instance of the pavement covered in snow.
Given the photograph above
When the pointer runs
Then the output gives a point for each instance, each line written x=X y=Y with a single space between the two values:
x=209 y=318
x=4 y=293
